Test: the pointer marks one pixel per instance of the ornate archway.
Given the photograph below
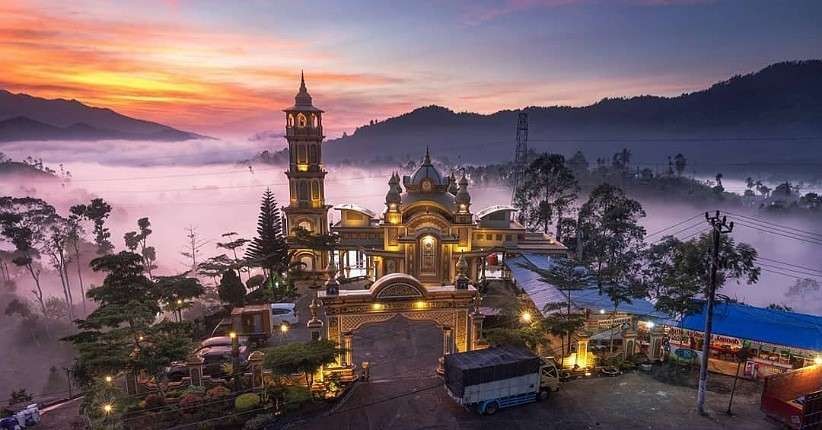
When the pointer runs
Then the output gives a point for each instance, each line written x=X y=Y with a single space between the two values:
x=453 y=309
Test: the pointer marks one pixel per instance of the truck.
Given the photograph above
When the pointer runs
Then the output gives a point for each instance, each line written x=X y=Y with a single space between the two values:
x=794 y=398
x=489 y=379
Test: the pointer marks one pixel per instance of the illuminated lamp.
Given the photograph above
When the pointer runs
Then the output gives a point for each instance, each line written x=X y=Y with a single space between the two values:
x=817 y=360
x=302 y=167
x=525 y=317
x=377 y=306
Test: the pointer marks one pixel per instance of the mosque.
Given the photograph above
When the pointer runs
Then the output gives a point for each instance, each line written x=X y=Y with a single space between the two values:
x=427 y=223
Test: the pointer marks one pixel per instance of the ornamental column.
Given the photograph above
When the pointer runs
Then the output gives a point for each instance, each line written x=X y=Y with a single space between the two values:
x=582 y=349
x=447 y=341
x=346 y=345
x=628 y=343
x=476 y=325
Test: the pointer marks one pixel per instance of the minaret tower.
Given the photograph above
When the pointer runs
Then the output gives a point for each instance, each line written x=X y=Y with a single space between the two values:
x=306 y=177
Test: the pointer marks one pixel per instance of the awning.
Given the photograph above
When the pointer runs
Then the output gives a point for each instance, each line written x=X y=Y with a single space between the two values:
x=761 y=325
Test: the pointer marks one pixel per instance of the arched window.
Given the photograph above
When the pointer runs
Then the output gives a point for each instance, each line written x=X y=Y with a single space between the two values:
x=301 y=121
x=307 y=261
x=303 y=191
x=290 y=121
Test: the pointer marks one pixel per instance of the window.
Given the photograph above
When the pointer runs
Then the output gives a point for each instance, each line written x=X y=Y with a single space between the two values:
x=507 y=237
x=315 y=190
x=302 y=195
x=306 y=225
x=302 y=121
x=499 y=236
x=301 y=155
x=312 y=154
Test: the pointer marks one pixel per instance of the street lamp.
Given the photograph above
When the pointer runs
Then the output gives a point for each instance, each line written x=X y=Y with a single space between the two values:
x=107 y=408
x=108 y=379
x=525 y=317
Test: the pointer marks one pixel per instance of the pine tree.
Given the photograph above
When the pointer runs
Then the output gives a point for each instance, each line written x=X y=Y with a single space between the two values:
x=269 y=250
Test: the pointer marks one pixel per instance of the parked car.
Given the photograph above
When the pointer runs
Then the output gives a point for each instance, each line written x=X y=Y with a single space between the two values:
x=178 y=369
x=283 y=313
x=28 y=417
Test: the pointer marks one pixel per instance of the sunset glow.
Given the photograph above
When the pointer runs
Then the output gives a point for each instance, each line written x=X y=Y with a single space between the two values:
x=205 y=67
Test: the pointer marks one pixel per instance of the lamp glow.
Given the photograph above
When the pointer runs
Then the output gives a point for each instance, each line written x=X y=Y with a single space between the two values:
x=232 y=335
x=107 y=408
x=108 y=379
x=650 y=324
x=179 y=301
x=284 y=328
x=817 y=360
x=602 y=311
x=377 y=306
x=525 y=317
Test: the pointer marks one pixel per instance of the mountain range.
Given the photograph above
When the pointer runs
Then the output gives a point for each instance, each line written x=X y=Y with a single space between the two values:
x=771 y=115
x=24 y=117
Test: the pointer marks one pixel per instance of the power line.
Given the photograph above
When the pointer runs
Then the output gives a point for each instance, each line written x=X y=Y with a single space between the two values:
x=782 y=226
x=789 y=264
x=779 y=234
x=673 y=226
x=786 y=269
x=782 y=273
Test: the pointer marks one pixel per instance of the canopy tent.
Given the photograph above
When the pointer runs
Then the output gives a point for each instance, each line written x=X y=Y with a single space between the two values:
x=761 y=325
x=542 y=293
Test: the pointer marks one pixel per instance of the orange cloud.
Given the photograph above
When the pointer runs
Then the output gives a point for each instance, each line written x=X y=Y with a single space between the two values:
x=179 y=74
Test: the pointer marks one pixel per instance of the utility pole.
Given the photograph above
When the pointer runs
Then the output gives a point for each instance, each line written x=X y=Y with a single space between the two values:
x=520 y=153
x=719 y=226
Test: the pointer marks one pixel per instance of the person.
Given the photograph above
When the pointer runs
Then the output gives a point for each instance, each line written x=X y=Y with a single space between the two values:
x=366 y=372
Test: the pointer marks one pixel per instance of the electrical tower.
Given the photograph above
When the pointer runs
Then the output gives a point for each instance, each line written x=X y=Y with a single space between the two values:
x=520 y=153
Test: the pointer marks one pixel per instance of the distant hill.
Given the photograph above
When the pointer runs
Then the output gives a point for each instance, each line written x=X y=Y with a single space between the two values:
x=23 y=117
x=773 y=114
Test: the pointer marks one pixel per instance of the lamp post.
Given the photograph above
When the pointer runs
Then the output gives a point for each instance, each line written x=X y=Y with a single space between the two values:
x=235 y=359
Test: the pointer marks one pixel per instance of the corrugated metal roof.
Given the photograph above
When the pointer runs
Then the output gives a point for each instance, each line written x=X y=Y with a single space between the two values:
x=542 y=293
x=760 y=324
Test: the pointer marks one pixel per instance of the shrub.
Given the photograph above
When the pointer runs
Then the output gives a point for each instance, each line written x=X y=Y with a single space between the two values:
x=217 y=391
x=189 y=402
x=154 y=401
x=259 y=422
x=246 y=401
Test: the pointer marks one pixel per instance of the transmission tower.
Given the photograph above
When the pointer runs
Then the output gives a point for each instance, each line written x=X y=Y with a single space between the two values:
x=520 y=153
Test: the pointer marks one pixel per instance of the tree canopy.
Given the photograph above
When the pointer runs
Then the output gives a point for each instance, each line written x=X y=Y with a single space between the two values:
x=268 y=249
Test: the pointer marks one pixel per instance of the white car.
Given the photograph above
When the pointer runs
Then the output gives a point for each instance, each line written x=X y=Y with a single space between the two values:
x=283 y=313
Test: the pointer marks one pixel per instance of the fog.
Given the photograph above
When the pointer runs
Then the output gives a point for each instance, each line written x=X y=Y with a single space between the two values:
x=201 y=185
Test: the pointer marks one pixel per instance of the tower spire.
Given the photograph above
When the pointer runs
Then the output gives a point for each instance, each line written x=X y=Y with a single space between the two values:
x=302 y=80
x=427 y=156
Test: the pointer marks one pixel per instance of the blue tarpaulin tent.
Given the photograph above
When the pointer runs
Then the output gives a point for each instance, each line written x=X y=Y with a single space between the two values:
x=761 y=325
x=542 y=293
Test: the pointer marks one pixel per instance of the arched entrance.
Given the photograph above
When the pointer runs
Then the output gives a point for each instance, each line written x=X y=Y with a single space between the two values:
x=398 y=348
x=446 y=308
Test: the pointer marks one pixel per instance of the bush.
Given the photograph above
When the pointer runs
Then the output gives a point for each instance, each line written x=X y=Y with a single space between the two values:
x=217 y=392
x=189 y=402
x=259 y=422
x=154 y=401
x=246 y=401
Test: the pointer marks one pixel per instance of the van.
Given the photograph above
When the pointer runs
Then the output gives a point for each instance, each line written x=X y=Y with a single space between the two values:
x=283 y=313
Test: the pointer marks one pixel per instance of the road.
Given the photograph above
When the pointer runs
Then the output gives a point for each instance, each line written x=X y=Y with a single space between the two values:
x=404 y=393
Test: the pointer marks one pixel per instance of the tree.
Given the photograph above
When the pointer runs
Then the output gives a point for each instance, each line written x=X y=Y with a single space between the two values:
x=548 y=189
x=621 y=160
x=613 y=238
x=23 y=222
x=75 y=233
x=269 y=250
x=97 y=211
x=193 y=245
x=177 y=291
x=233 y=245
x=139 y=239
x=231 y=289
x=109 y=339
x=680 y=163
x=565 y=275
x=306 y=358
x=214 y=267
x=563 y=326
x=677 y=273
x=56 y=248
x=578 y=164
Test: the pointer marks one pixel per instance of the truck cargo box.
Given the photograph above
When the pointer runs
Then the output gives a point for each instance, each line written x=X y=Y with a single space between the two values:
x=484 y=366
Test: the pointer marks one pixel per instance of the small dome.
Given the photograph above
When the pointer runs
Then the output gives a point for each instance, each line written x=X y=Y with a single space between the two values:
x=463 y=197
x=394 y=191
x=452 y=185
x=427 y=170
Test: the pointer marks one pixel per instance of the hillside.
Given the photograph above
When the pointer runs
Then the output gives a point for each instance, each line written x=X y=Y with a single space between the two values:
x=773 y=114
x=23 y=117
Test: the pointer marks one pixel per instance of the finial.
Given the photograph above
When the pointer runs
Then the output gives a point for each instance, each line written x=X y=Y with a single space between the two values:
x=302 y=79
x=427 y=155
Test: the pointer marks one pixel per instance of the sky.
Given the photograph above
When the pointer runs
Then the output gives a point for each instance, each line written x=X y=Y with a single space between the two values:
x=228 y=68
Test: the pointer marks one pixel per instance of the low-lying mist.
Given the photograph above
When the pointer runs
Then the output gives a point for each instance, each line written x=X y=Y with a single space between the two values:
x=201 y=185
